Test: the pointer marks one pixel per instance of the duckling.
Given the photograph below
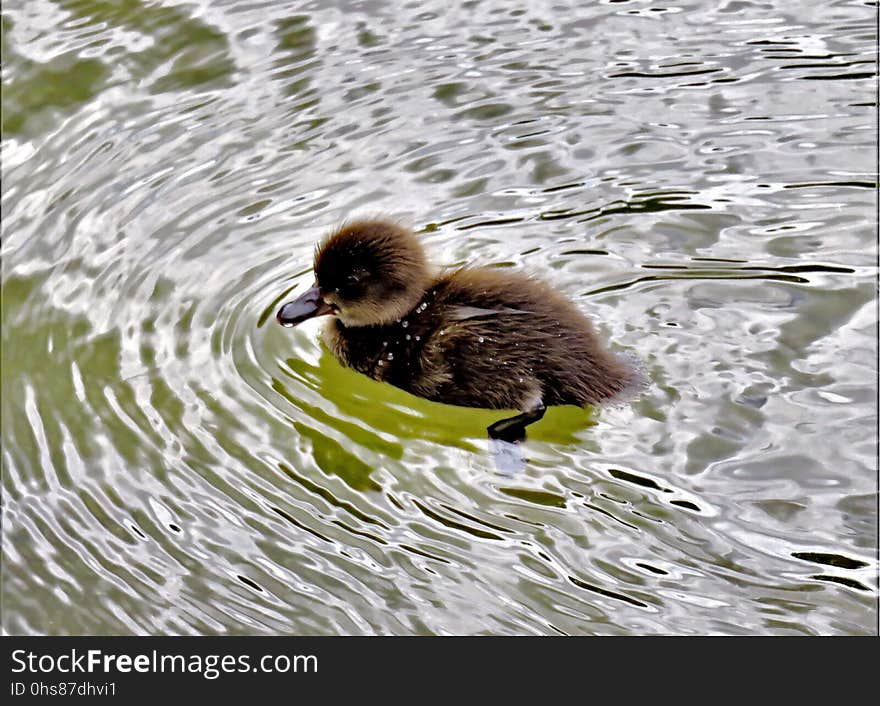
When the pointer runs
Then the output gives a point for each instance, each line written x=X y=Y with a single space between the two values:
x=474 y=337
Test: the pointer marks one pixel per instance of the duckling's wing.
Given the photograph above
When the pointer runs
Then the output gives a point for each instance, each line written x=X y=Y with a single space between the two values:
x=461 y=313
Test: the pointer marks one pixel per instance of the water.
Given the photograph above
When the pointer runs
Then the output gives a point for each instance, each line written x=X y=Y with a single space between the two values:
x=698 y=176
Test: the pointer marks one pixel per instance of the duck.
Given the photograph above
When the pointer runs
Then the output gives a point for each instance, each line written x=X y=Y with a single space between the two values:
x=473 y=336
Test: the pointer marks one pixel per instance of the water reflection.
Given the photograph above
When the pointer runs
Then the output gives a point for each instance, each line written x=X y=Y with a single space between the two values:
x=698 y=178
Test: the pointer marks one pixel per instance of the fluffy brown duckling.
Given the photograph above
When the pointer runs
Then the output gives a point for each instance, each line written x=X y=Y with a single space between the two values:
x=475 y=337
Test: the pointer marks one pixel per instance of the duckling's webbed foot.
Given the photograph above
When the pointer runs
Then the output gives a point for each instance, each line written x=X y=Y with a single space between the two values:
x=513 y=429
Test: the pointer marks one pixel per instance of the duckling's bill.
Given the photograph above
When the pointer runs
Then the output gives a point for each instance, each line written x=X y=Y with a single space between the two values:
x=310 y=304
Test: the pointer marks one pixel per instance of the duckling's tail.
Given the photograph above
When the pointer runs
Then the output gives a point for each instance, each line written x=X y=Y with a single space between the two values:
x=637 y=379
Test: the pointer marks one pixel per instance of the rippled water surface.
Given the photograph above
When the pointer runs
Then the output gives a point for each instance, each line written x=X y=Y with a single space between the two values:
x=698 y=175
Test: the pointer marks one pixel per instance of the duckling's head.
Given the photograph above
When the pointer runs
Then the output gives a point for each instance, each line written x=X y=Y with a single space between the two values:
x=369 y=272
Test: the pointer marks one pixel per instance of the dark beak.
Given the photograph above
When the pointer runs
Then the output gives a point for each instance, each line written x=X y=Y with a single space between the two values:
x=310 y=304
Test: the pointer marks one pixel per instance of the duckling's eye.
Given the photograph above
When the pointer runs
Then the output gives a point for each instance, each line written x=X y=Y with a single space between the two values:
x=352 y=283
x=349 y=286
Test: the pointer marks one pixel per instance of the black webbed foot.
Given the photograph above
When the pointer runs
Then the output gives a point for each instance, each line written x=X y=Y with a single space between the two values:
x=504 y=430
x=513 y=429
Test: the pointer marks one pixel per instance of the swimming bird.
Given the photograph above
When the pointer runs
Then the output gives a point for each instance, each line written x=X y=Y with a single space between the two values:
x=474 y=336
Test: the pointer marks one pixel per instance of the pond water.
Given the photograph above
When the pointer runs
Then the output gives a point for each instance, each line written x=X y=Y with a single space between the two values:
x=698 y=176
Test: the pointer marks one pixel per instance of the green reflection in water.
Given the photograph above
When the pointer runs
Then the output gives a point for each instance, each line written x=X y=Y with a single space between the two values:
x=394 y=413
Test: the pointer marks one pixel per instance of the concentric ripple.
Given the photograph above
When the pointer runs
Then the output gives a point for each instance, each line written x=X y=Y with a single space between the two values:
x=698 y=178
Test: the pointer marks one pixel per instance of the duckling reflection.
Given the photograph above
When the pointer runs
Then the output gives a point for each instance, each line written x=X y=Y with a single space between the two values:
x=473 y=337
